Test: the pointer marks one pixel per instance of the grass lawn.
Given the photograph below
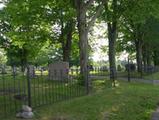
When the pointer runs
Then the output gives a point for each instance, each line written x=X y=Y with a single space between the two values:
x=128 y=101
x=146 y=76
x=154 y=76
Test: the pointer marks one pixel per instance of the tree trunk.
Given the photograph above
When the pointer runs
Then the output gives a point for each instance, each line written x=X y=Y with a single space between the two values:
x=138 y=44
x=112 y=35
x=144 y=59
x=148 y=55
x=112 y=52
x=156 y=58
x=23 y=59
x=83 y=42
x=83 y=28
x=67 y=45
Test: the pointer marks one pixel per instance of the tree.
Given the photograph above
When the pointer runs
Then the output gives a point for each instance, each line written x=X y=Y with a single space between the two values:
x=65 y=20
x=151 y=42
x=48 y=21
x=82 y=7
x=111 y=10
x=133 y=19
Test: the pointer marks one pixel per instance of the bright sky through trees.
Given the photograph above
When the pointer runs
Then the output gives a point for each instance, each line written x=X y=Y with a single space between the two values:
x=1 y=6
x=98 y=41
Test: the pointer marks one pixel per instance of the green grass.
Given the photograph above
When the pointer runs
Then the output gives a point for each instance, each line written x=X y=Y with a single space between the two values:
x=128 y=101
x=154 y=76
x=145 y=76
x=133 y=74
x=37 y=72
x=99 y=73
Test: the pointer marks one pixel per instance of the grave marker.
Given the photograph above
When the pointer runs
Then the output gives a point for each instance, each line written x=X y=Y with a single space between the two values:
x=58 y=71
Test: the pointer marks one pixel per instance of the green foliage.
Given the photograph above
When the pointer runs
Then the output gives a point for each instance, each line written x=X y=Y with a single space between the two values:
x=48 y=54
x=138 y=11
x=3 y=58
x=152 y=36
x=32 y=24
x=138 y=23
x=16 y=56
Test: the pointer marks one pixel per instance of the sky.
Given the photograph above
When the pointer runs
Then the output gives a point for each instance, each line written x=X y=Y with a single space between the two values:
x=100 y=39
x=1 y=5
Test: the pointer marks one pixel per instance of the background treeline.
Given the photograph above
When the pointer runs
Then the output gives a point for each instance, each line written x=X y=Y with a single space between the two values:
x=42 y=31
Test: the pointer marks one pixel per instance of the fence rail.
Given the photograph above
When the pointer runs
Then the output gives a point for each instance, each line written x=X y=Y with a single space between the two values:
x=40 y=87
x=23 y=88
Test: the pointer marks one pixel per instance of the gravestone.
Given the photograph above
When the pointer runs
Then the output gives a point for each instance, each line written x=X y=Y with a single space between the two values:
x=31 y=71
x=58 y=71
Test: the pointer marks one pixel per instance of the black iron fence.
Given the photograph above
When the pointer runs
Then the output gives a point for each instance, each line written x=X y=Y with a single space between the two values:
x=36 y=89
x=131 y=74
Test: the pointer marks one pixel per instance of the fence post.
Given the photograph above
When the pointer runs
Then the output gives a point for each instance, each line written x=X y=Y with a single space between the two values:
x=29 y=86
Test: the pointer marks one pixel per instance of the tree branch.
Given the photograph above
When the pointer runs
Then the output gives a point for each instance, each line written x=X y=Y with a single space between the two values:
x=98 y=11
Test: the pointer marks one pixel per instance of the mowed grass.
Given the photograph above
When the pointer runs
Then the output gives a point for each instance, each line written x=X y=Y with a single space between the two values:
x=145 y=76
x=154 y=76
x=128 y=101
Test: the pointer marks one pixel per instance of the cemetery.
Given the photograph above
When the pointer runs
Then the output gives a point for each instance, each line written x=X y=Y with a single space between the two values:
x=79 y=59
